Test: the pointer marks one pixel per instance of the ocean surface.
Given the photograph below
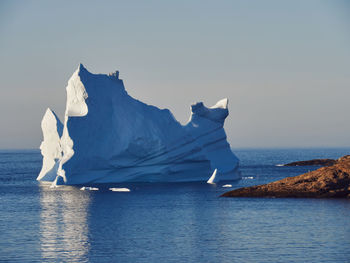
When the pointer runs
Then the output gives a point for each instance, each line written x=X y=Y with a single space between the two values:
x=183 y=222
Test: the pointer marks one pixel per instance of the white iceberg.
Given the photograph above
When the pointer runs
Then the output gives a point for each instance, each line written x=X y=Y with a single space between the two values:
x=109 y=137
x=212 y=177
x=115 y=189
x=88 y=188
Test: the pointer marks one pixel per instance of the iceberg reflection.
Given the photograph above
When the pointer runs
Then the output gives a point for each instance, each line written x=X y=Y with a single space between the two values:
x=63 y=224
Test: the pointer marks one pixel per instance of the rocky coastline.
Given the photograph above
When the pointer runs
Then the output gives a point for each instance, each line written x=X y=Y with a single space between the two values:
x=325 y=182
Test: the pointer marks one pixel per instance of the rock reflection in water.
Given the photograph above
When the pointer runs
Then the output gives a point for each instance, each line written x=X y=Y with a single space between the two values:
x=63 y=224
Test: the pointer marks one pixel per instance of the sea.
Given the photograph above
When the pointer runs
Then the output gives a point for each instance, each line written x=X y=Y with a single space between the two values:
x=179 y=222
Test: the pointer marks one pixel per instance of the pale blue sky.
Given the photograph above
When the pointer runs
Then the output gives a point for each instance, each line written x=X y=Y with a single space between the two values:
x=284 y=65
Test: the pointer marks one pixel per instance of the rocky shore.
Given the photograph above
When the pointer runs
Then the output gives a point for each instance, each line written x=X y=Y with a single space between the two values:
x=325 y=182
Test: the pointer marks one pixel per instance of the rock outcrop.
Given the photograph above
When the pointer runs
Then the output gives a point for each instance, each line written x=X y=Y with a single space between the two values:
x=325 y=182
x=320 y=162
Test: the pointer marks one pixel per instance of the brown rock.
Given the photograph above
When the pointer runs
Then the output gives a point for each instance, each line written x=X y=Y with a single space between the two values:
x=322 y=162
x=325 y=182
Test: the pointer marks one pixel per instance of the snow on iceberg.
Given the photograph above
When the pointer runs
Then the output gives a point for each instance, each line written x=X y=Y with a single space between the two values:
x=109 y=137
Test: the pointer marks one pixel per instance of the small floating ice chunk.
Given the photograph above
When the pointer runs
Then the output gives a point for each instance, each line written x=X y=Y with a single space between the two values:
x=248 y=177
x=88 y=188
x=227 y=185
x=120 y=189
x=212 y=177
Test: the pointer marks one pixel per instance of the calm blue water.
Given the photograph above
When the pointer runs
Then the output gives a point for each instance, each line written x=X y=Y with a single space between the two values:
x=170 y=222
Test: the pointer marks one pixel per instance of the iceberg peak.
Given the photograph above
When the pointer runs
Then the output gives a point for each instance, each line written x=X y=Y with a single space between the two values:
x=81 y=68
x=51 y=145
x=114 y=75
x=216 y=113
x=222 y=104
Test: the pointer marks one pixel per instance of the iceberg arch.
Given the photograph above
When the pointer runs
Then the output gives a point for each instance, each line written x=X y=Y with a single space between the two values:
x=109 y=137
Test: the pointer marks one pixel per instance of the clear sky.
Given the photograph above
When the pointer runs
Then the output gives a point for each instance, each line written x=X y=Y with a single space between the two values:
x=284 y=65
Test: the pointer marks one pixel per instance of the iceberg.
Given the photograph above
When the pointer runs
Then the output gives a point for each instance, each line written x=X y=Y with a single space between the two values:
x=114 y=189
x=108 y=137
x=88 y=188
x=212 y=177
